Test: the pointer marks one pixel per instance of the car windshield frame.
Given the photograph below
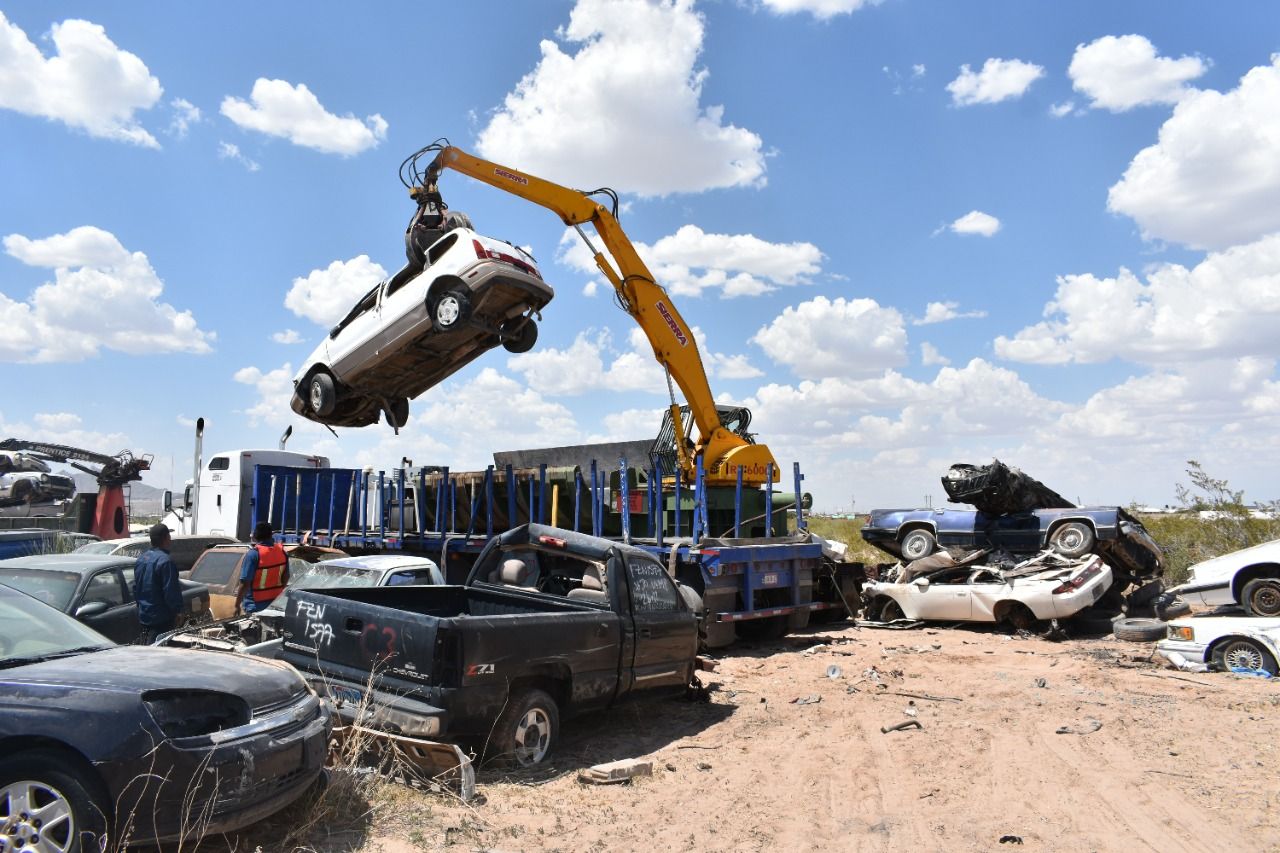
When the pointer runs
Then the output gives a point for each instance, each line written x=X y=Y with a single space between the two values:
x=210 y=557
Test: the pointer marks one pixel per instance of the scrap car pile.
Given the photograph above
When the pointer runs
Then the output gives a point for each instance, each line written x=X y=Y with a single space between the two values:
x=1024 y=555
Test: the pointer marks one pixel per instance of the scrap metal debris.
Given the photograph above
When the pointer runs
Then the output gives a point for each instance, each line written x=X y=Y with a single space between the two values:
x=616 y=772
x=1090 y=726
x=897 y=727
x=811 y=699
x=999 y=489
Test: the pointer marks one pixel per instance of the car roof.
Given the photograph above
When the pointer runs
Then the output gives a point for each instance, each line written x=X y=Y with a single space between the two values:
x=81 y=563
x=381 y=562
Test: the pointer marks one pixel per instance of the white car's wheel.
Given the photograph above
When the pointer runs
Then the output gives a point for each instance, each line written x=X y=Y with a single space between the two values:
x=451 y=309
x=1243 y=653
x=1261 y=597
x=321 y=394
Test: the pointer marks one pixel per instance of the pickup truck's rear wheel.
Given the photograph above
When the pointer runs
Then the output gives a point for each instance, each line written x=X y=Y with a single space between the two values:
x=526 y=731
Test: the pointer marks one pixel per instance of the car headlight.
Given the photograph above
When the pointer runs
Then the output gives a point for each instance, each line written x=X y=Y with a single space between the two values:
x=1181 y=632
x=194 y=713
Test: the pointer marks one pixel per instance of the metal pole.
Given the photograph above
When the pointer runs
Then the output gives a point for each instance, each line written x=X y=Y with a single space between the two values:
x=542 y=493
x=488 y=496
x=257 y=499
x=768 y=500
x=401 y=484
x=315 y=501
x=662 y=514
x=626 y=501
x=333 y=497
x=577 y=489
x=677 y=533
x=595 y=520
x=799 y=499
x=420 y=502
x=512 y=486
x=737 y=507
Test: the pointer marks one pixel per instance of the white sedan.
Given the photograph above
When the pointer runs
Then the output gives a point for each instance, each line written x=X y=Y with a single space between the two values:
x=1226 y=642
x=1249 y=577
x=410 y=332
x=1021 y=596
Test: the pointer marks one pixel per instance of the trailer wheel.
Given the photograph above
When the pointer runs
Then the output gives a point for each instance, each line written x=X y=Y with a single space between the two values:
x=526 y=730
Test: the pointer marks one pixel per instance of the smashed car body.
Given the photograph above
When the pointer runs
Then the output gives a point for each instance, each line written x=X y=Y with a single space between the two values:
x=457 y=298
x=127 y=744
x=1047 y=586
x=1110 y=531
x=24 y=479
x=999 y=489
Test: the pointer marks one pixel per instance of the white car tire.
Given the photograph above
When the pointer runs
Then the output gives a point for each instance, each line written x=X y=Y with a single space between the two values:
x=451 y=309
x=1243 y=653
x=1261 y=597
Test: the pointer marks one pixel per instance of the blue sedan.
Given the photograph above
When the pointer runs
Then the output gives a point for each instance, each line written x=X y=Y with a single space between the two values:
x=910 y=534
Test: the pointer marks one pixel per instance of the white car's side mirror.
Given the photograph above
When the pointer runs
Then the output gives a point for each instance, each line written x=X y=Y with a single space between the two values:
x=921 y=583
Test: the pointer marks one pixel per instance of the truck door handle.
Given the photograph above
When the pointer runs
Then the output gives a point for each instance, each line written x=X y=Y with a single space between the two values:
x=354 y=626
x=646 y=634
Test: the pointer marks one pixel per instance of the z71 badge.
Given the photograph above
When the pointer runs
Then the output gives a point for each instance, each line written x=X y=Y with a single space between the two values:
x=480 y=669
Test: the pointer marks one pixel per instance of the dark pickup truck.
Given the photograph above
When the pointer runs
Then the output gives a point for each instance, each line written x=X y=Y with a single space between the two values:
x=549 y=622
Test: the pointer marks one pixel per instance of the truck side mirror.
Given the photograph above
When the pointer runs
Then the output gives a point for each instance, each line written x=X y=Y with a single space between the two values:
x=168 y=501
x=186 y=498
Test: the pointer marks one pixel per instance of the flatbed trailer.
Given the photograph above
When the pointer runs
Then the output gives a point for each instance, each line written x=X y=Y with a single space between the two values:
x=753 y=581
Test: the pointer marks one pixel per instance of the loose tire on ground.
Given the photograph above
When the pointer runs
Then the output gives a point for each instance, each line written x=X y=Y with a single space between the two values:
x=1261 y=597
x=1073 y=539
x=917 y=544
x=1139 y=630
x=1243 y=653
x=1174 y=609
x=322 y=395
x=74 y=812
x=526 y=730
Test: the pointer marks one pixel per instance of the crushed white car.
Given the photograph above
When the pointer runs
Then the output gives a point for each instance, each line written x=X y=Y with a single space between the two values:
x=24 y=479
x=465 y=295
x=1249 y=577
x=1048 y=586
x=1227 y=643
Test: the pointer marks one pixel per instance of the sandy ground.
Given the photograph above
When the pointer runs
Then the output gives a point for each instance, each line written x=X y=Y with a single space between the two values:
x=1180 y=762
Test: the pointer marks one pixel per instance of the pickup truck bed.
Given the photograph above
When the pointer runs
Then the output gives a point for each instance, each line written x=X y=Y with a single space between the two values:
x=455 y=661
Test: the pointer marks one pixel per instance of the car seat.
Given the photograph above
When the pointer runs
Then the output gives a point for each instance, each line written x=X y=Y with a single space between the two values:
x=592 y=588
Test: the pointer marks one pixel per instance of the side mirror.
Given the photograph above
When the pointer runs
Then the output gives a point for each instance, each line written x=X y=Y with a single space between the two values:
x=186 y=498
x=921 y=583
x=168 y=501
x=92 y=608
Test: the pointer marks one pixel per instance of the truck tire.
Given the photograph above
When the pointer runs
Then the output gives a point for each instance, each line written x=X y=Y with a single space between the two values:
x=1261 y=597
x=1139 y=630
x=526 y=730
x=917 y=544
x=44 y=779
x=1073 y=539
x=322 y=395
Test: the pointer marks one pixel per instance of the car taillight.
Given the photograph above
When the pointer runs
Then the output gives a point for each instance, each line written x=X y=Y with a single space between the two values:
x=493 y=255
x=1094 y=569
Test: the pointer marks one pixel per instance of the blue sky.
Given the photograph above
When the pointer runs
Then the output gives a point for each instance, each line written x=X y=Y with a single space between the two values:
x=910 y=233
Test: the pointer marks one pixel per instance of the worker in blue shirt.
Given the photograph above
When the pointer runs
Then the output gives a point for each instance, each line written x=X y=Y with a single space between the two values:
x=156 y=588
x=265 y=571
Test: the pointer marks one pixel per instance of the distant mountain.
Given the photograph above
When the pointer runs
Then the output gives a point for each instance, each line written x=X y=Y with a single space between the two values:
x=143 y=499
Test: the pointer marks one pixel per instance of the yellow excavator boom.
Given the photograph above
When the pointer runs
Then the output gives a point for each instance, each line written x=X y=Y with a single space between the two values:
x=724 y=451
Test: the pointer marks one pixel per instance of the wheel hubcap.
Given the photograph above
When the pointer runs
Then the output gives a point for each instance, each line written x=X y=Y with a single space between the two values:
x=533 y=736
x=1242 y=657
x=447 y=311
x=317 y=396
x=35 y=816
x=1071 y=539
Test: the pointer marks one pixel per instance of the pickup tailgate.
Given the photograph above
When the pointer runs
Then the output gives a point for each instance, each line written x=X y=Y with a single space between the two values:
x=352 y=638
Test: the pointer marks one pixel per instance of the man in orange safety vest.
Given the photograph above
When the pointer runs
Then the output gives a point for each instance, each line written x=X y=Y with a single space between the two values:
x=264 y=573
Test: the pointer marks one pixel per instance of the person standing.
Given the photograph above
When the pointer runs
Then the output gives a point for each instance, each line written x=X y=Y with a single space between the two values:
x=265 y=571
x=156 y=588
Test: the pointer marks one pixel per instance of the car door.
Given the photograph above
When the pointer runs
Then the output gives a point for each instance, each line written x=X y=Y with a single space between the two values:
x=665 y=631
x=107 y=608
x=357 y=344
x=1019 y=532
x=936 y=598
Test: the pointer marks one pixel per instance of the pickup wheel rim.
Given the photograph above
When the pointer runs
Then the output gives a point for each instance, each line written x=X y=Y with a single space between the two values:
x=533 y=736
x=35 y=816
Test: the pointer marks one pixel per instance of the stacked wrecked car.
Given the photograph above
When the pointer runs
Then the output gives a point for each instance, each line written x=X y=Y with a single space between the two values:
x=1024 y=555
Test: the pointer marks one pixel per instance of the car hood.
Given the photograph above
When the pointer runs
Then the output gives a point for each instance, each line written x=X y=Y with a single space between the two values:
x=134 y=669
x=1227 y=564
x=1229 y=624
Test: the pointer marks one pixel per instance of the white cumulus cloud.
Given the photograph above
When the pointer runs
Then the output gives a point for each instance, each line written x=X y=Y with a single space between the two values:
x=231 y=151
x=941 y=312
x=325 y=296
x=999 y=80
x=976 y=222
x=929 y=355
x=1213 y=177
x=820 y=9
x=624 y=108
x=185 y=114
x=1118 y=73
x=89 y=83
x=288 y=336
x=835 y=337
x=102 y=297
x=1226 y=306
x=691 y=261
x=278 y=108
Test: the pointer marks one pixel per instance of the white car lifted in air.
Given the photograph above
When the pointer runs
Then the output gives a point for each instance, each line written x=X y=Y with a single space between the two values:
x=468 y=294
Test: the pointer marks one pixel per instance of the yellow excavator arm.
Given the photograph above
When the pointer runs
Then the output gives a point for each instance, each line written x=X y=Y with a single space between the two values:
x=646 y=301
